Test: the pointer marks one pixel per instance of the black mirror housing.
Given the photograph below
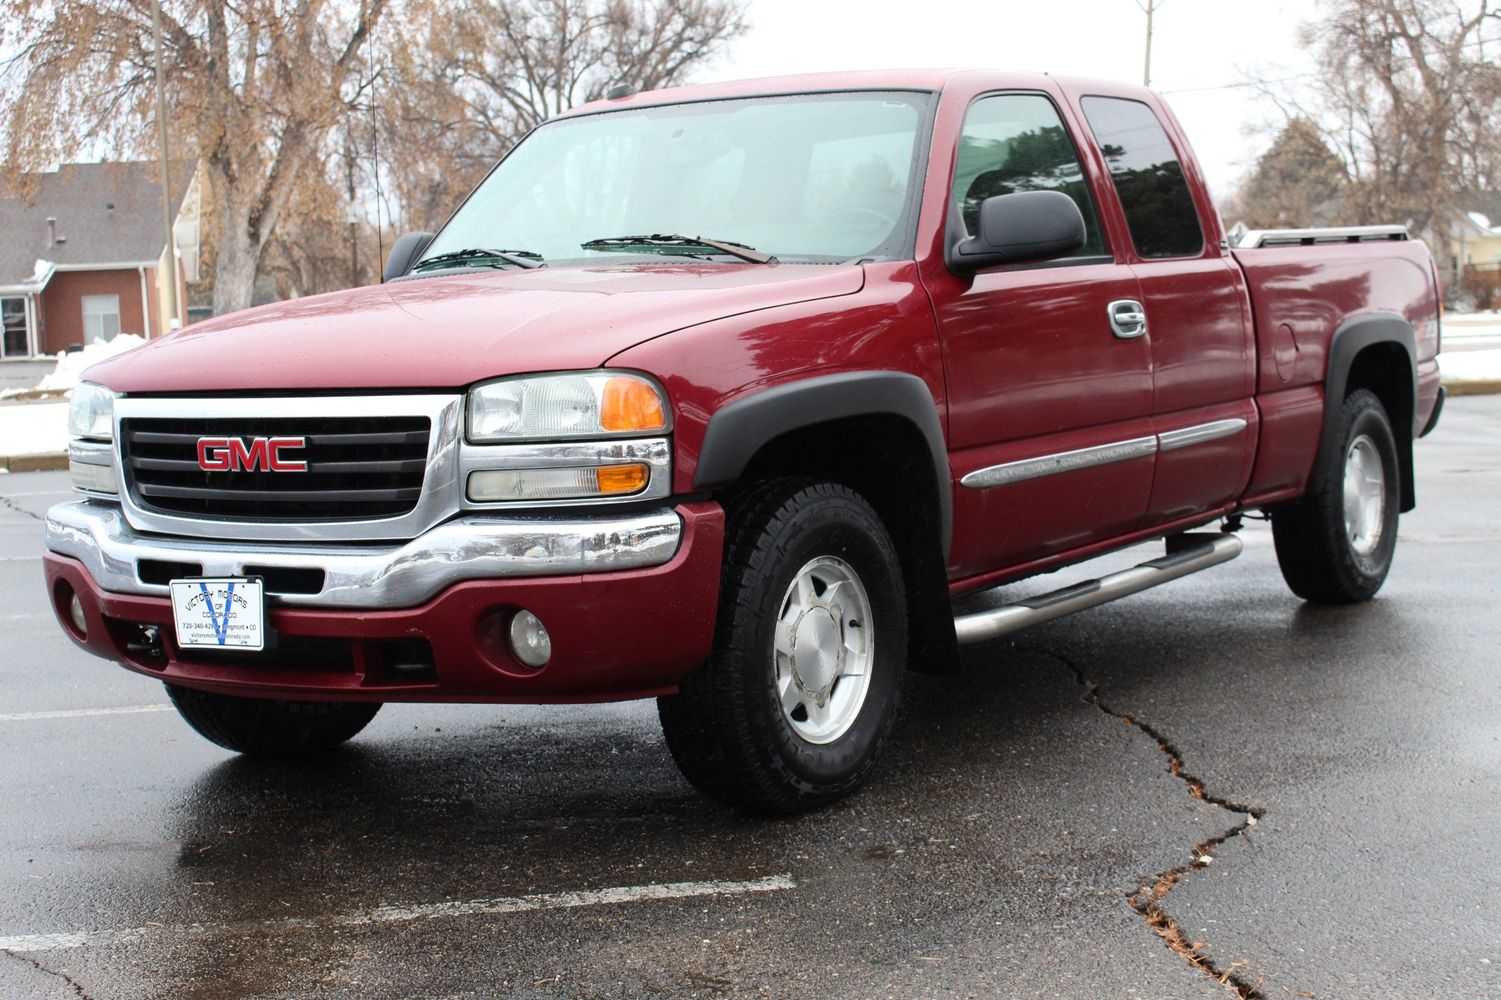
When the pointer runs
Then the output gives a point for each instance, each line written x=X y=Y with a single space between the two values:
x=405 y=252
x=1020 y=227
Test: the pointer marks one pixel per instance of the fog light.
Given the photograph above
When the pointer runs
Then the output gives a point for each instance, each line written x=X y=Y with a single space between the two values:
x=529 y=640
x=75 y=614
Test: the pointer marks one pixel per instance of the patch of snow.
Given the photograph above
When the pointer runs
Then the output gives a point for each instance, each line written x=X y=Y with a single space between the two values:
x=1470 y=366
x=1471 y=319
x=70 y=366
x=33 y=429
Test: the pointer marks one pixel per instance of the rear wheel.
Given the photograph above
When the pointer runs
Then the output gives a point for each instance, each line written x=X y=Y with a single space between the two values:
x=1336 y=545
x=800 y=693
x=269 y=728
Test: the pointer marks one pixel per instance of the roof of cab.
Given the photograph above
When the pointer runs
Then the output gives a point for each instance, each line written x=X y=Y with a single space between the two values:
x=879 y=79
x=898 y=79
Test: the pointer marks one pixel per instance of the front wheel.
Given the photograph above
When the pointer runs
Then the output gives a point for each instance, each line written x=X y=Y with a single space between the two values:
x=1336 y=545
x=269 y=728
x=800 y=692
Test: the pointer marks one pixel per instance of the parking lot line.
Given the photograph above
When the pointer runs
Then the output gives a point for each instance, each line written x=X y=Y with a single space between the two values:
x=400 y=914
x=80 y=713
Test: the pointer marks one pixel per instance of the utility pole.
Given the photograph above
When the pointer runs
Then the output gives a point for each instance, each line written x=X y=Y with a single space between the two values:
x=1148 y=7
x=173 y=320
x=351 y=212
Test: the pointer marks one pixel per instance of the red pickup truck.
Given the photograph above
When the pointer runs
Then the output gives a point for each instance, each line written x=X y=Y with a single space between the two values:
x=722 y=395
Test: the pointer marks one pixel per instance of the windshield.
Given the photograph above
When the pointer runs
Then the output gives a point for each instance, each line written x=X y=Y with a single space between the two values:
x=807 y=178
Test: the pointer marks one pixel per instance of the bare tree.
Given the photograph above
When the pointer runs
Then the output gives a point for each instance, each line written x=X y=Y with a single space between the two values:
x=285 y=103
x=480 y=75
x=1408 y=95
x=256 y=86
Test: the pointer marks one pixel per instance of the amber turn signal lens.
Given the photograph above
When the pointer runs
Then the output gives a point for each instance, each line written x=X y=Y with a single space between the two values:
x=617 y=479
x=630 y=404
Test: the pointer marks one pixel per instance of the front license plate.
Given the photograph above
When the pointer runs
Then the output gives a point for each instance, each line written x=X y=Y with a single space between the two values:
x=219 y=613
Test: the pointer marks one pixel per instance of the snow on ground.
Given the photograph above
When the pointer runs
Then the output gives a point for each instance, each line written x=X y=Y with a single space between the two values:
x=1471 y=366
x=70 y=366
x=1458 y=328
x=42 y=428
x=33 y=429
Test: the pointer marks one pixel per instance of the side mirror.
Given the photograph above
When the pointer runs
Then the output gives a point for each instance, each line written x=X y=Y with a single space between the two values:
x=404 y=253
x=1028 y=225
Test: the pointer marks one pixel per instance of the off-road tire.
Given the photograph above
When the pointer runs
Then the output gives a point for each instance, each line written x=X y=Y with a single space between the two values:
x=726 y=728
x=263 y=727
x=1319 y=560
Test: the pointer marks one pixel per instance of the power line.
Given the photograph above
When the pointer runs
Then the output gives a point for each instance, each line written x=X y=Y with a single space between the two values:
x=1240 y=85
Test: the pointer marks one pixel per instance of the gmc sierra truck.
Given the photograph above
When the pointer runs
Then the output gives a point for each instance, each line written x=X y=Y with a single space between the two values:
x=722 y=395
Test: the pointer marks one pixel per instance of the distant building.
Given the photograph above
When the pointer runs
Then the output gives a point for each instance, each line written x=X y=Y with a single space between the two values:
x=1478 y=240
x=1476 y=248
x=83 y=255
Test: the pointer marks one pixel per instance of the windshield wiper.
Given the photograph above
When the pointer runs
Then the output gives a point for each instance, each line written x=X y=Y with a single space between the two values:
x=672 y=240
x=516 y=258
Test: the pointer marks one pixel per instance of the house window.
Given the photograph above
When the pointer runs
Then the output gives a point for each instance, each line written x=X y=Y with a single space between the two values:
x=13 y=314
x=101 y=317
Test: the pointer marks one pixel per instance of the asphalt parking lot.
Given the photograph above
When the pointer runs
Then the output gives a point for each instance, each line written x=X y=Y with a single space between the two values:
x=1005 y=847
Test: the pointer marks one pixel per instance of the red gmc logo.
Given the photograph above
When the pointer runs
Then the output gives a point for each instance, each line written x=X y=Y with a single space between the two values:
x=261 y=454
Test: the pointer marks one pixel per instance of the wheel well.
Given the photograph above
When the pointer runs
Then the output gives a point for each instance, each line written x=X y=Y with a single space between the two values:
x=887 y=460
x=1386 y=370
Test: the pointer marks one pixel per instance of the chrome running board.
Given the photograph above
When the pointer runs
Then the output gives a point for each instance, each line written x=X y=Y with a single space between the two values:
x=1187 y=553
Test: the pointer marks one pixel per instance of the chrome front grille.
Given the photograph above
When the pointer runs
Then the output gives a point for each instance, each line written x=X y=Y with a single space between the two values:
x=357 y=467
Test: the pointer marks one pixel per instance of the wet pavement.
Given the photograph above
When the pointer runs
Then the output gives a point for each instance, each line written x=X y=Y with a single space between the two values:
x=472 y=851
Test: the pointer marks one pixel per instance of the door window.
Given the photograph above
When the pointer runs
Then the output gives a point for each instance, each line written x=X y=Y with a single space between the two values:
x=13 y=314
x=1018 y=142
x=101 y=317
x=1148 y=178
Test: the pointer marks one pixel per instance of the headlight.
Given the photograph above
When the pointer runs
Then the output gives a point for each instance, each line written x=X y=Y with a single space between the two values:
x=91 y=412
x=571 y=405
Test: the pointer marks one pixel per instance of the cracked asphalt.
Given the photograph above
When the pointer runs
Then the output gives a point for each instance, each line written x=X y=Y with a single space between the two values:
x=1004 y=848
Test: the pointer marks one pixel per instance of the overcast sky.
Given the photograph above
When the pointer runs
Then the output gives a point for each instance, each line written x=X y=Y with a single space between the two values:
x=1200 y=49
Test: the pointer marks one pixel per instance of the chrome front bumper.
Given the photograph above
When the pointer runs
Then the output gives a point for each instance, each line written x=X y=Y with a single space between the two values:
x=383 y=576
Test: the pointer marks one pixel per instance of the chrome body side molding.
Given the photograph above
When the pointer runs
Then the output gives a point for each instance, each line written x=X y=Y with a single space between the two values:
x=1201 y=434
x=1104 y=454
x=1067 y=461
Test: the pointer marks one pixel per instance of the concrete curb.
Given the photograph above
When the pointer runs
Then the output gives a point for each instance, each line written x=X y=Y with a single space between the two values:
x=1474 y=387
x=34 y=463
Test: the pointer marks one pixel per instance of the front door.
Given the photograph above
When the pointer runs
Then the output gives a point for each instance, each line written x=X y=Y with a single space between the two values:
x=1049 y=406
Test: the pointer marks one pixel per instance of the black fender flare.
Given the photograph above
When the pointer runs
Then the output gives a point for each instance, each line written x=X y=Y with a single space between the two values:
x=741 y=428
x=1352 y=337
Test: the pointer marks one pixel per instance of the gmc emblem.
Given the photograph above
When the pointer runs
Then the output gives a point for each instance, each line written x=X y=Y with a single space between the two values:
x=261 y=454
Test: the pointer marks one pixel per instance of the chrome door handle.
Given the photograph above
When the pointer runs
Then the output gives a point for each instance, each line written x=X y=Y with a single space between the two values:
x=1128 y=319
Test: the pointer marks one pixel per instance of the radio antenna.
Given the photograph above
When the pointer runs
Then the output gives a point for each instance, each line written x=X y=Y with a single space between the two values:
x=380 y=238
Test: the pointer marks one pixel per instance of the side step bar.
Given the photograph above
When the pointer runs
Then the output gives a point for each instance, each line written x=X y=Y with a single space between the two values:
x=1187 y=553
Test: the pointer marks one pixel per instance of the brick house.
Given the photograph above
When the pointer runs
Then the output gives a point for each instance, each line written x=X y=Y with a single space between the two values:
x=84 y=254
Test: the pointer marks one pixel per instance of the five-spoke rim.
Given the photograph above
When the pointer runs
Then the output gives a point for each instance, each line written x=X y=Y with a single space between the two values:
x=1364 y=496
x=824 y=640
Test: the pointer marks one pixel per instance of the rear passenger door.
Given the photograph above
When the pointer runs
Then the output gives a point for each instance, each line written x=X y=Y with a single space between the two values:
x=1197 y=309
x=1049 y=410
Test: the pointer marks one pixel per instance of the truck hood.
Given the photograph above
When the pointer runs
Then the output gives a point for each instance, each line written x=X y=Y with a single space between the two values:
x=453 y=330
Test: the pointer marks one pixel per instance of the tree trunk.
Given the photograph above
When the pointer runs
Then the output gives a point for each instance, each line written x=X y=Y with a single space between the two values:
x=235 y=265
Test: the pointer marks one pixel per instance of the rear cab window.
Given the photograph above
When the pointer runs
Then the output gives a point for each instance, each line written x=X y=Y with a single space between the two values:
x=1018 y=142
x=1148 y=178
